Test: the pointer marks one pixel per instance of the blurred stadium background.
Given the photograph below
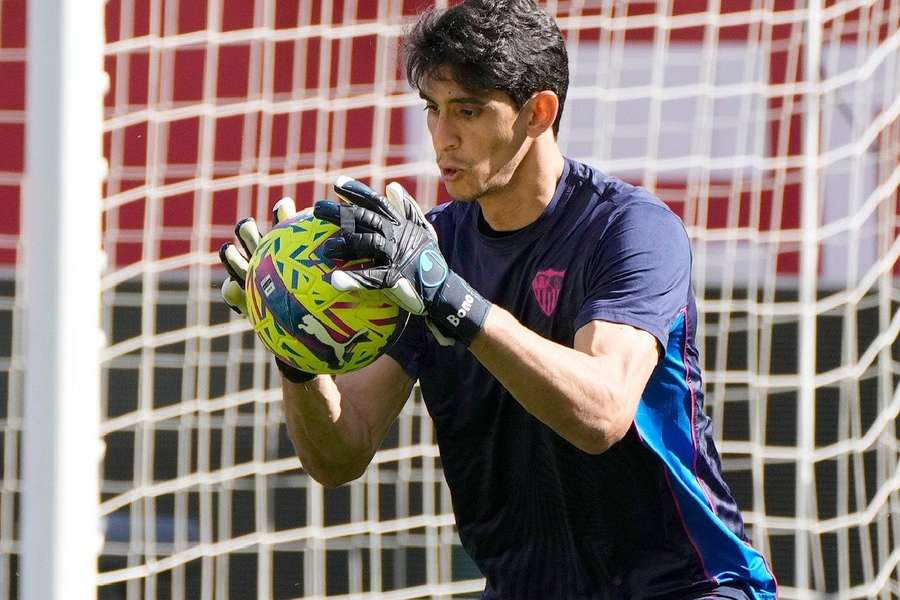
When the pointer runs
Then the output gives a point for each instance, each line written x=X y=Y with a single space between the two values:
x=216 y=108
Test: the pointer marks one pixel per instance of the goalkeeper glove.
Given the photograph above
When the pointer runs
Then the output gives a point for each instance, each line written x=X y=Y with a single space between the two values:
x=393 y=232
x=236 y=264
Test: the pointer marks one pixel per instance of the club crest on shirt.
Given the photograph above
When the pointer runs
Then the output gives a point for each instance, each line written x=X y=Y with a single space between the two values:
x=546 y=287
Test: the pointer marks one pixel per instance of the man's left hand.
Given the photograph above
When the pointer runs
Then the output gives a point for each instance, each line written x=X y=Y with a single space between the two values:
x=408 y=266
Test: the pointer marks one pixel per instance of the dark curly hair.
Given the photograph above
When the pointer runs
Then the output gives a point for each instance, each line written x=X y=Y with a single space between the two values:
x=507 y=45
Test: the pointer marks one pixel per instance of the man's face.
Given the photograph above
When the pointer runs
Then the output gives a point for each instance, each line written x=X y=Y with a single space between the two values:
x=478 y=137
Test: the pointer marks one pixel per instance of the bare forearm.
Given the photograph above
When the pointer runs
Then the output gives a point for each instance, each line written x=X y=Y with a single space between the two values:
x=336 y=425
x=582 y=397
x=329 y=441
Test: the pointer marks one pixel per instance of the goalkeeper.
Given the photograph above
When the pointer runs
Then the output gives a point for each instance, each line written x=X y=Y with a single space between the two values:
x=554 y=342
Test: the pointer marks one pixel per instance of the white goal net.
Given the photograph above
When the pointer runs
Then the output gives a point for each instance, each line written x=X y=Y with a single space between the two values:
x=771 y=126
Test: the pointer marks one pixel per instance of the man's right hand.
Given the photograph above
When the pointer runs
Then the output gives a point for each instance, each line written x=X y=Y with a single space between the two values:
x=336 y=424
x=393 y=233
x=237 y=262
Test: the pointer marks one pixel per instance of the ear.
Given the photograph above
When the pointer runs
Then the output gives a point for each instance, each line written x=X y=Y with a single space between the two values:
x=544 y=108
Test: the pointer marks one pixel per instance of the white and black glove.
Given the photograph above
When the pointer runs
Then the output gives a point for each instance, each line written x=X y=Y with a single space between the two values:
x=392 y=232
x=236 y=264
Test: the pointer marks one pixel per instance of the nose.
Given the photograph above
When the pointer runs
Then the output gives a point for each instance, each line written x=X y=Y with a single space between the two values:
x=444 y=134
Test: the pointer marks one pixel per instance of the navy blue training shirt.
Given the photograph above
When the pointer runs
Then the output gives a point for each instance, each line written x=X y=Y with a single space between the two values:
x=649 y=518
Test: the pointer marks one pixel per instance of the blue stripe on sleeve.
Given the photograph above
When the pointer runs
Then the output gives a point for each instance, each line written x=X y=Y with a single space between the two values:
x=665 y=420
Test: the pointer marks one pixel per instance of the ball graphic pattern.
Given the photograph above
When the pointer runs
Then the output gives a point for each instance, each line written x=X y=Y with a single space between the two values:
x=300 y=317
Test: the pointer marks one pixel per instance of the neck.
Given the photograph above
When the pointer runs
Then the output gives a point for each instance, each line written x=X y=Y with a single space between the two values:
x=529 y=191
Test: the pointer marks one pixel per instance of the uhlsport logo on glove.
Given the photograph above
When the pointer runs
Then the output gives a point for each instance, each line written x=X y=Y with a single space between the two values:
x=432 y=268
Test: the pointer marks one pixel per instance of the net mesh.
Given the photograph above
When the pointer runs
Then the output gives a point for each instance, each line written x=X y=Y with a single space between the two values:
x=218 y=108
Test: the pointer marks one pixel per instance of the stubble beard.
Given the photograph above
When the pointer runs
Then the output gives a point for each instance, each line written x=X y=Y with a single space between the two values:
x=467 y=198
x=483 y=190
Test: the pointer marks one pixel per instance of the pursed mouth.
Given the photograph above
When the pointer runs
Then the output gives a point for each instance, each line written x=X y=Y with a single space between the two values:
x=450 y=173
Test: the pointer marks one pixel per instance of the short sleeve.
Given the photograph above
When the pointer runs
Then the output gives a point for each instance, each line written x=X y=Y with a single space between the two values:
x=409 y=349
x=640 y=274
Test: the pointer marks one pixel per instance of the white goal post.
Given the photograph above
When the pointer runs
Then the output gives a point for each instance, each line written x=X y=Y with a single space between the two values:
x=60 y=283
x=772 y=127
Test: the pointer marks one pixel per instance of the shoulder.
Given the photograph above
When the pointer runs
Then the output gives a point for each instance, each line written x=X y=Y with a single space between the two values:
x=588 y=181
x=614 y=193
x=627 y=196
x=442 y=212
x=615 y=204
x=637 y=207
x=445 y=217
x=611 y=188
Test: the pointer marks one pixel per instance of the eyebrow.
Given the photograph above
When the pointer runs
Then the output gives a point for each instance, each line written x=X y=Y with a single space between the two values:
x=463 y=100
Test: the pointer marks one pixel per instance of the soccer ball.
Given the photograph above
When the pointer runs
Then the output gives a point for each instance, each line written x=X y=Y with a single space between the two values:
x=300 y=317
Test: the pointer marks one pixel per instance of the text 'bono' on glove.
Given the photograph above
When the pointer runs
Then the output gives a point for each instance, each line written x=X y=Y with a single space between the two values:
x=407 y=264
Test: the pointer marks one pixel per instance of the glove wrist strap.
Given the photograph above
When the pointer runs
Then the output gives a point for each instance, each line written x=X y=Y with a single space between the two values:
x=293 y=374
x=457 y=310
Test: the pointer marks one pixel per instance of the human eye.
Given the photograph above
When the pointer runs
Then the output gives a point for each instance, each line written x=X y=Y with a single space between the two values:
x=430 y=107
x=469 y=112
